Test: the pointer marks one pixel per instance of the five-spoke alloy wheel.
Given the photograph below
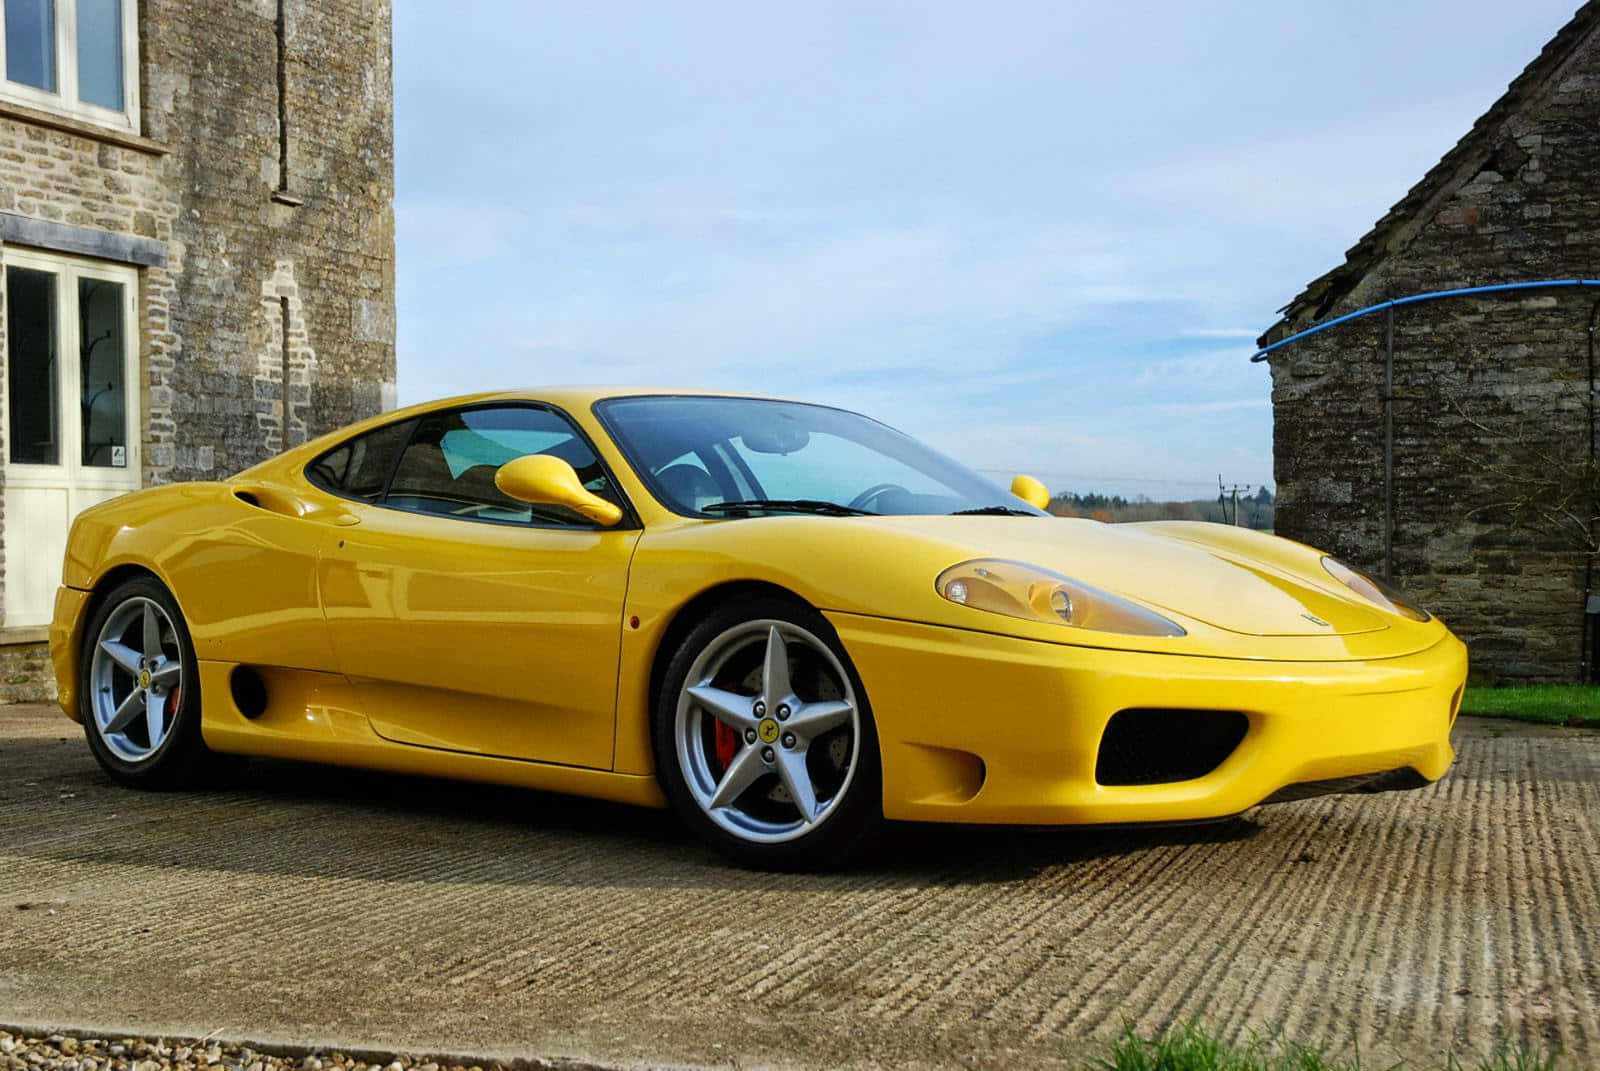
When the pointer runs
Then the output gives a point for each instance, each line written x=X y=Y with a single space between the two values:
x=139 y=694
x=764 y=739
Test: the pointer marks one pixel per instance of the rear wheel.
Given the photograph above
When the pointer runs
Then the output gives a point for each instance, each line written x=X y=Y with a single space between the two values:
x=139 y=689
x=764 y=740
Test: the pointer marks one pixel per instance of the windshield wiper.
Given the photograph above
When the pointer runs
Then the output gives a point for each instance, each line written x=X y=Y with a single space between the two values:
x=994 y=511
x=787 y=505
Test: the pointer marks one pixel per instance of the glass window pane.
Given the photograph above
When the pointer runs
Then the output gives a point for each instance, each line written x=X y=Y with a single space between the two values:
x=100 y=53
x=31 y=43
x=101 y=360
x=360 y=467
x=829 y=468
x=788 y=450
x=329 y=470
x=449 y=467
x=31 y=367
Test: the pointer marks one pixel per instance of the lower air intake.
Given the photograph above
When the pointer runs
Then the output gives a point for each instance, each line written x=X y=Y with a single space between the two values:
x=1157 y=747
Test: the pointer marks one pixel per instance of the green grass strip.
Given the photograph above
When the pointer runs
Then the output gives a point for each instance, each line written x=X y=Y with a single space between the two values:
x=1548 y=704
x=1190 y=1047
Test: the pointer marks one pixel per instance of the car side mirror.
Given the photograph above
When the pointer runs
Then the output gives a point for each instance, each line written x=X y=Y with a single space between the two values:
x=549 y=481
x=1031 y=491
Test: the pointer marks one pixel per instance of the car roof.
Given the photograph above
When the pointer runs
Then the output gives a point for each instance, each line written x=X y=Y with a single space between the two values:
x=582 y=396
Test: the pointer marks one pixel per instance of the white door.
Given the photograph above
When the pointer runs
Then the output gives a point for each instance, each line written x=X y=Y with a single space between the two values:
x=72 y=397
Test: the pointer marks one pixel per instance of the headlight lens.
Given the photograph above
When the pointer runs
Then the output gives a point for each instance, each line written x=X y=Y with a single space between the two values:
x=1017 y=589
x=1374 y=590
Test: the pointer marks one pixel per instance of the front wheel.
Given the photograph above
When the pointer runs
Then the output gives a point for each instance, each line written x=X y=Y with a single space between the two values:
x=764 y=740
x=139 y=688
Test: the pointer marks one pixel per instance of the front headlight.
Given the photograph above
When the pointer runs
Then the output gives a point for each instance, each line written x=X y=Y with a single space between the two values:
x=1374 y=590
x=1017 y=589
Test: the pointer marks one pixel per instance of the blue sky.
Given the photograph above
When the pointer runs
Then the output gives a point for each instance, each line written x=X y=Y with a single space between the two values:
x=1040 y=236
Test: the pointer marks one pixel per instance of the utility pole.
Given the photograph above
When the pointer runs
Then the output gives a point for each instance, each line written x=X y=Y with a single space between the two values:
x=1223 y=493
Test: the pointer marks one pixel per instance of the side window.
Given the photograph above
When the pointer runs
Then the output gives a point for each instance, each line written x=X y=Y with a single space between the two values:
x=76 y=57
x=358 y=468
x=449 y=466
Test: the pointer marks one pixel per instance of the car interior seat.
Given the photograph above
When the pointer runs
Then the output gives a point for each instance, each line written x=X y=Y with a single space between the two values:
x=689 y=487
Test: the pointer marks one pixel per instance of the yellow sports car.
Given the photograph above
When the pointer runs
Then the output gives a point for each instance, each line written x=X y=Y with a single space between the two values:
x=787 y=621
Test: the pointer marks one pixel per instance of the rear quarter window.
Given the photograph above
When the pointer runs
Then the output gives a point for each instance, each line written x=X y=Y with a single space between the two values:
x=360 y=467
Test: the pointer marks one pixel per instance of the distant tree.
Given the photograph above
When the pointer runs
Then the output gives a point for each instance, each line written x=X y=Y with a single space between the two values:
x=1117 y=509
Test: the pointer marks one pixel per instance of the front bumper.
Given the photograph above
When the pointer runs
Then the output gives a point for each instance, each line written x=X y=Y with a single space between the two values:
x=975 y=727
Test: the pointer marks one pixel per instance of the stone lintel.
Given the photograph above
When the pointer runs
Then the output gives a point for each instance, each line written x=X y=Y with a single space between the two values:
x=10 y=109
x=84 y=241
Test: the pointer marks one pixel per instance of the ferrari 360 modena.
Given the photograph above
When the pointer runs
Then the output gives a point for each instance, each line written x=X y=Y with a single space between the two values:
x=786 y=621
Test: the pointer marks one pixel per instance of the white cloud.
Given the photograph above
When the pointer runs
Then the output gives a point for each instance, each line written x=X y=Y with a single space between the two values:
x=1220 y=332
x=1231 y=405
x=1203 y=369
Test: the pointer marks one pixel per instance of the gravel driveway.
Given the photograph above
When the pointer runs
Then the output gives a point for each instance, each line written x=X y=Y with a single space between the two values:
x=373 y=912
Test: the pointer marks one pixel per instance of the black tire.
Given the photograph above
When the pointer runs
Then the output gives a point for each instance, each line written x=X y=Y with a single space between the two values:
x=817 y=738
x=139 y=753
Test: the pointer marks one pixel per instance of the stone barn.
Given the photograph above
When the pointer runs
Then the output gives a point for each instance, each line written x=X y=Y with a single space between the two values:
x=197 y=242
x=1449 y=441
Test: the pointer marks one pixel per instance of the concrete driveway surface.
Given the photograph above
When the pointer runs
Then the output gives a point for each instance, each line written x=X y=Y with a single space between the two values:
x=307 y=904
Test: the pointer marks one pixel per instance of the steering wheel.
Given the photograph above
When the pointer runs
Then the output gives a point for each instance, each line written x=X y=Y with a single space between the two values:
x=875 y=491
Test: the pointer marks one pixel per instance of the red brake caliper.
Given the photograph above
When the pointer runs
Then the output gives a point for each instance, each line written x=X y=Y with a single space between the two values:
x=727 y=744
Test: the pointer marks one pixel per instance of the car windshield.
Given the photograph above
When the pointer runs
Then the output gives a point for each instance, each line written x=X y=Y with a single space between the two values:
x=731 y=457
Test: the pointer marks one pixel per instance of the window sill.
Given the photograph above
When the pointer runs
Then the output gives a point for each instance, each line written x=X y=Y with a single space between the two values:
x=10 y=637
x=72 y=125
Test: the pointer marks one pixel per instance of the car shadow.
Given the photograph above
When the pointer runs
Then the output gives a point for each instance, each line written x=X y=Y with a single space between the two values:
x=274 y=816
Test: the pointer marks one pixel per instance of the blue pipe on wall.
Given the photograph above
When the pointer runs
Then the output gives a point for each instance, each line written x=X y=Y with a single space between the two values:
x=1435 y=295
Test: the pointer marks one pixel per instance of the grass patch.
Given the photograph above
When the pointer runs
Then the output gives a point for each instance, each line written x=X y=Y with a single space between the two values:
x=1549 y=704
x=1191 y=1047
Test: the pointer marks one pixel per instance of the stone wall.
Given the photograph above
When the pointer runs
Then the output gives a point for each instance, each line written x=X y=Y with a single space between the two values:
x=321 y=250
x=1489 y=425
x=1491 y=409
x=25 y=673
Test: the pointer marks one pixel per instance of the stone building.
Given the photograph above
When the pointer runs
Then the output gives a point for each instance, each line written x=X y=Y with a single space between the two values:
x=197 y=236
x=1449 y=442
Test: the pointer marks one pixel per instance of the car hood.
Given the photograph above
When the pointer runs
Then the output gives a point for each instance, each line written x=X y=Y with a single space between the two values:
x=1235 y=593
x=1222 y=586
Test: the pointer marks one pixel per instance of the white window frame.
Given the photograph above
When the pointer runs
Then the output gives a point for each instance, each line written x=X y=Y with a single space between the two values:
x=69 y=470
x=65 y=100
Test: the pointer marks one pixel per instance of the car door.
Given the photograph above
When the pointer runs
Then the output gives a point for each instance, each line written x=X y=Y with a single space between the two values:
x=470 y=621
